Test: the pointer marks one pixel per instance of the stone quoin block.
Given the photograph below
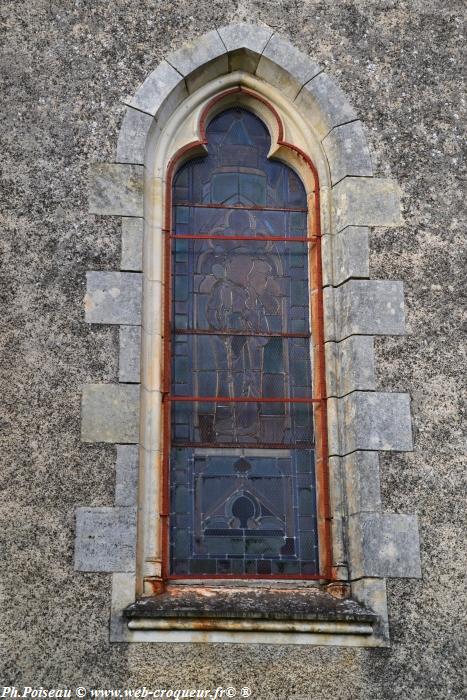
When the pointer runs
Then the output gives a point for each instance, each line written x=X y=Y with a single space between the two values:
x=364 y=307
x=116 y=189
x=110 y=413
x=361 y=201
x=347 y=151
x=285 y=67
x=371 y=593
x=123 y=595
x=324 y=105
x=129 y=363
x=132 y=136
x=350 y=365
x=384 y=545
x=369 y=421
x=162 y=91
x=113 y=297
x=345 y=255
x=105 y=539
x=132 y=244
x=360 y=471
x=337 y=504
x=153 y=296
x=245 y=43
x=126 y=475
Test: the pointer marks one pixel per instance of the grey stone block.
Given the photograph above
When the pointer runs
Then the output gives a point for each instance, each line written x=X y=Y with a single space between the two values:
x=126 y=475
x=322 y=101
x=285 y=67
x=132 y=243
x=384 y=545
x=345 y=255
x=361 y=201
x=105 y=539
x=245 y=43
x=350 y=365
x=113 y=297
x=364 y=307
x=110 y=413
x=195 y=54
x=336 y=497
x=133 y=135
x=200 y=61
x=129 y=362
x=123 y=595
x=362 y=484
x=369 y=421
x=162 y=91
x=347 y=152
x=371 y=593
x=242 y=35
x=116 y=188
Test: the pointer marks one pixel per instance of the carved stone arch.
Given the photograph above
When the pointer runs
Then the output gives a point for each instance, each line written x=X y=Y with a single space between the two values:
x=255 y=67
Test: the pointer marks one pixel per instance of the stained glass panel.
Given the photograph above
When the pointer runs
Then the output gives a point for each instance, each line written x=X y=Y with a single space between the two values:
x=242 y=478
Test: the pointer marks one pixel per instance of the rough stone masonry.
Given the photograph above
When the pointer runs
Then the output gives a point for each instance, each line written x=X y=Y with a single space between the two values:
x=66 y=65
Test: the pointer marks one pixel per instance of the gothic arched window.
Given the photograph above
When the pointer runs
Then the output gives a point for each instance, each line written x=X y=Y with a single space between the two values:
x=246 y=191
x=241 y=466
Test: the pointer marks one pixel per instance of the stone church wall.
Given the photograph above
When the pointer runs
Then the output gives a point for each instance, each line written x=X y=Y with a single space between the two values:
x=67 y=66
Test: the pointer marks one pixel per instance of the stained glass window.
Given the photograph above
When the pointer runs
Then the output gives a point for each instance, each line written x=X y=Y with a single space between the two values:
x=242 y=483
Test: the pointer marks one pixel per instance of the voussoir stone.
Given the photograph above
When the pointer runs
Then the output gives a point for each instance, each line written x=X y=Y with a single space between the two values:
x=245 y=43
x=110 y=413
x=164 y=87
x=105 y=539
x=132 y=136
x=324 y=105
x=362 y=201
x=191 y=56
x=347 y=152
x=285 y=67
x=242 y=35
x=200 y=61
x=113 y=297
x=384 y=545
x=116 y=189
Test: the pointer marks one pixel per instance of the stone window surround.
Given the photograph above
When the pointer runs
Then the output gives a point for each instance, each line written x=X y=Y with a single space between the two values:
x=368 y=545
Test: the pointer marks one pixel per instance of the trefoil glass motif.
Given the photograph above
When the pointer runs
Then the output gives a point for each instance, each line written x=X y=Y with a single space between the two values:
x=242 y=483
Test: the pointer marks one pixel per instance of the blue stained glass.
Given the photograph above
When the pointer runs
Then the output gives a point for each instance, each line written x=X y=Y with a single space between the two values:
x=242 y=479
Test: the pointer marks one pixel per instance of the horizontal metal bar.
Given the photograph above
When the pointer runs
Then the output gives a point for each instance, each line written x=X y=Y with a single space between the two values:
x=251 y=207
x=207 y=237
x=298 y=577
x=280 y=446
x=242 y=399
x=263 y=334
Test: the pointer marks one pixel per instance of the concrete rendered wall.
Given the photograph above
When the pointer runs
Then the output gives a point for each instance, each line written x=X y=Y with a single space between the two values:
x=65 y=66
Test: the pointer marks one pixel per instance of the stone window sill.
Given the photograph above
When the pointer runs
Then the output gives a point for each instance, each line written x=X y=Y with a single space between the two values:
x=208 y=607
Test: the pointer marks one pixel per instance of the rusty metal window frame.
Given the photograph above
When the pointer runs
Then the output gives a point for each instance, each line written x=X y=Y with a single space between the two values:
x=319 y=400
